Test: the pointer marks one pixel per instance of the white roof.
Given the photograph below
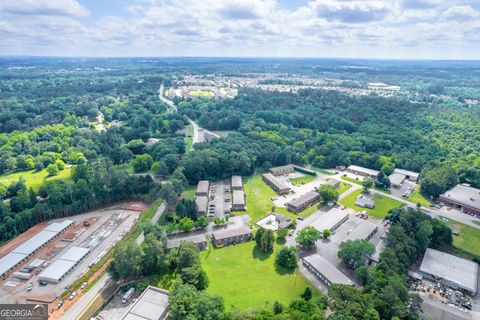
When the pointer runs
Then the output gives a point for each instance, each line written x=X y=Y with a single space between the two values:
x=59 y=226
x=460 y=271
x=364 y=170
x=330 y=219
x=56 y=270
x=465 y=195
x=35 y=242
x=75 y=254
x=328 y=270
x=9 y=261
x=151 y=305
x=407 y=173
x=396 y=178
x=237 y=182
x=362 y=231
x=203 y=186
x=238 y=197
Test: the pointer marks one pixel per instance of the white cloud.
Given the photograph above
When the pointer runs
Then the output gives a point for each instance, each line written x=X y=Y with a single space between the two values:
x=44 y=7
x=460 y=13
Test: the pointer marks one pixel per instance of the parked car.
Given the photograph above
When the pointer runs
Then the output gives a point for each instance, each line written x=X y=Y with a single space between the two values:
x=72 y=295
x=30 y=286
x=42 y=283
x=84 y=285
x=60 y=304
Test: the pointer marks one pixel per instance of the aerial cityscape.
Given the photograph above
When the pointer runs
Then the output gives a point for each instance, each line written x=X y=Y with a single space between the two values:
x=240 y=160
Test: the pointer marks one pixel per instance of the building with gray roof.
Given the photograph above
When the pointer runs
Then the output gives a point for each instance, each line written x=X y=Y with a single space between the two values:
x=396 y=179
x=364 y=231
x=56 y=271
x=226 y=237
x=151 y=305
x=463 y=197
x=10 y=261
x=277 y=171
x=278 y=186
x=201 y=203
x=361 y=171
x=410 y=175
x=331 y=220
x=325 y=271
x=198 y=240
x=303 y=202
x=202 y=188
x=36 y=242
x=75 y=254
x=59 y=226
x=451 y=271
x=238 y=200
x=237 y=183
x=364 y=201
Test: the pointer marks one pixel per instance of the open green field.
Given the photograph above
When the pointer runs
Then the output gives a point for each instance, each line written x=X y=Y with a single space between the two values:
x=343 y=187
x=302 y=180
x=468 y=240
x=34 y=179
x=417 y=197
x=352 y=180
x=201 y=93
x=383 y=204
x=188 y=144
x=189 y=193
x=246 y=278
x=128 y=167
x=259 y=201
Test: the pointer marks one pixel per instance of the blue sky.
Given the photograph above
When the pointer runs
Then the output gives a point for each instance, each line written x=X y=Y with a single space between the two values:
x=399 y=29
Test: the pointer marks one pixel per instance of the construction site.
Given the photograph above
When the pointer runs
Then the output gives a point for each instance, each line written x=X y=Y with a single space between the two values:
x=39 y=265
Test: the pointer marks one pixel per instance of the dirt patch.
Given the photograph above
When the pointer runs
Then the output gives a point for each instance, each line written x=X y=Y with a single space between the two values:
x=15 y=242
x=135 y=206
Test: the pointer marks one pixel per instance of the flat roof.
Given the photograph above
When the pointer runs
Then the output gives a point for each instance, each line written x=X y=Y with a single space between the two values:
x=329 y=219
x=328 y=270
x=309 y=196
x=397 y=178
x=173 y=243
x=229 y=233
x=59 y=226
x=238 y=197
x=460 y=271
x=407 y=173
x=237 y=182
x=282 y=168
x=151 y=305
x=277 y=183
x=75 y=254
x=202 y=186
x=364 y=200
x=364 y=170
x=201 y=202
x=56 y=270
x=465 y=195
x=9 y=261
x=35 y=242
x=362 y=231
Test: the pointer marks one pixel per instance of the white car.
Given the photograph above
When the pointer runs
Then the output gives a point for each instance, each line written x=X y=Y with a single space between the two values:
x=72 y=295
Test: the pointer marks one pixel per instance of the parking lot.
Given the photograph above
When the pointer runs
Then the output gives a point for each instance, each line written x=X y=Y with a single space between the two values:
x=220 y=199
x=297 y=190
x=116 y=308
x=98 y=230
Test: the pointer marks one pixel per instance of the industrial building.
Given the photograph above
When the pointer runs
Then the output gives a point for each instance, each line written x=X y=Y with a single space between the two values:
x=151 y=305
x=32 y=245
x=364 y=202
x=275 y=184
x=325 y=271
x=201 y=203
x=463 y=197
x=364 y=172
x=55 y=272
x=198 y=240
x=303 y=202
x=202 y=188
x=237 y=183
x=399 y=175
x=238 y=200
x=410 y=175
x=330 y=220
x=451 y=271
x=364 y=231
x=278 y=171
x=228 y=237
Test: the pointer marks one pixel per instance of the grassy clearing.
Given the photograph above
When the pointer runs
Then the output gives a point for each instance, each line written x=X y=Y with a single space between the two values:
x=34 y=179
x=343 y=187
x=188 y=144
x=189 y=193
x=352 y=180
x=417 y=197
x=383 y=204
x=201 y=93
x=302 y=180
x=247 y=278
x=467 y=241
x=259 y=200
x=128 y=167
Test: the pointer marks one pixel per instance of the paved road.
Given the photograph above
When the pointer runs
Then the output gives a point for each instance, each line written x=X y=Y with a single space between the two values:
x=76 y=310
x=172 y=106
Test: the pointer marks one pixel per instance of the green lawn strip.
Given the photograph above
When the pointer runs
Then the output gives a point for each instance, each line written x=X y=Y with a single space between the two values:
x=247 y=278
x=189 y=193
x=468 y=240
x=302 y=180
x=34 y=179
x=351 y=180
x=417 y=197
x=188 y=144
x=343 y=187
x=383 y=204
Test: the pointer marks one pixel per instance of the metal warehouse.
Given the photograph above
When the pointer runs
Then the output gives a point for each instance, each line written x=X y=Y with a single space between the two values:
x=67 y=261
x=364 y=231
x=151 y=305
x=330 y=220
x=325 y=271
x=463 y=196
x=36 y=242
x=361 y=171
x=10 y=261
x=452 y=271
x=59 y=226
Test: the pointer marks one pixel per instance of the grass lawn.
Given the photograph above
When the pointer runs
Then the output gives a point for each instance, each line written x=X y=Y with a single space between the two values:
x=33 y=178
x=343 y=187
x=352 y=180
x=201 y=93
x=383 y=204
x=305 y=179
x=259 y=201
x=188 y=144
x=128 y=167
x=246 y=278
x=189 y=193
x=468 y=240
x=417 y=197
